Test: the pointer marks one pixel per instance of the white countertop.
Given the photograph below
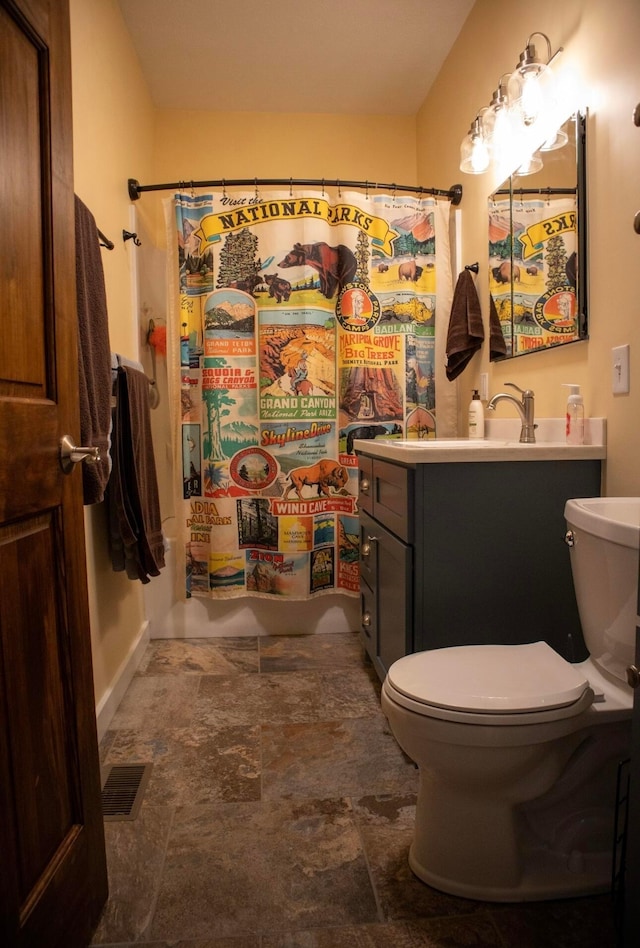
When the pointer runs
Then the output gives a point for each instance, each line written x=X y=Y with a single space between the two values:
x=501 y=444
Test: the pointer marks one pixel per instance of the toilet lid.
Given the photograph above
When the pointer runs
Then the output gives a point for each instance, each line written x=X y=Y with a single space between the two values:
x=508 y=679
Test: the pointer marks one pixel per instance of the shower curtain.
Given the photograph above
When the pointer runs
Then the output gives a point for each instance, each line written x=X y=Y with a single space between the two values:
x=299 y=322
x=533 y=270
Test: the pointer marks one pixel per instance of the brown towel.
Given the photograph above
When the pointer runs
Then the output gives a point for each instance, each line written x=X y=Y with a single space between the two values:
x=94 y=354
x=497 y=344
x=466 y=332
x=134 y=511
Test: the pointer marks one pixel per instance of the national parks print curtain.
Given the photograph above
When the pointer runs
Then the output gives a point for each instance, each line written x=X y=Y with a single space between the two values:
x=302 y=321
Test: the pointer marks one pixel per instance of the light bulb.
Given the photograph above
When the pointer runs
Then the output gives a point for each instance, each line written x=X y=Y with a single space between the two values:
x=531 y=100
x=474 y=151
x=479 y=156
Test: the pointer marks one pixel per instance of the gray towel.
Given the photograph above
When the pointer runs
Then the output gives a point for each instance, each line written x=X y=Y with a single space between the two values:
x=466 y=332
x=137 y=544
x=94 y=354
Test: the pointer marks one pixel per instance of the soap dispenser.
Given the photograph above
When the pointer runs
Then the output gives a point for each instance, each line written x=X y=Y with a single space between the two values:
x=575 y=415
x=476 y=416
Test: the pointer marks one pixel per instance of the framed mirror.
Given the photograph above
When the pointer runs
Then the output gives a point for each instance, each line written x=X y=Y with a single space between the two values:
x=537 y=246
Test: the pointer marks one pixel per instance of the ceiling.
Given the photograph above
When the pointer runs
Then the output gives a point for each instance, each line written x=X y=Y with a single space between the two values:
x=335 y=56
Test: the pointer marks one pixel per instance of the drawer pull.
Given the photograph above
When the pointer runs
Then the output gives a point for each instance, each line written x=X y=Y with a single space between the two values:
x=365 y=485
x=366 y=620
x=365 y=549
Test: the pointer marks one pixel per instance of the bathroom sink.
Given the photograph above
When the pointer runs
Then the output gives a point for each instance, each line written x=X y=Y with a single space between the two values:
x=431 y=443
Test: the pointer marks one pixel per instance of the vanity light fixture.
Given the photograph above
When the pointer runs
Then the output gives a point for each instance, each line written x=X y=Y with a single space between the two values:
x=521 y=109
x=474 y=150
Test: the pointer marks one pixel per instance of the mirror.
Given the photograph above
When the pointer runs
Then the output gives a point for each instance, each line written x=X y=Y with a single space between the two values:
x=537 y=248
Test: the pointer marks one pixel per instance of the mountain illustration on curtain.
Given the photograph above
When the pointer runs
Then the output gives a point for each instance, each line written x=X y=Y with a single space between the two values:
x=281 y=352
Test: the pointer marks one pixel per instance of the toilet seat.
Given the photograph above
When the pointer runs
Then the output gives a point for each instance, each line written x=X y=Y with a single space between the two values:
x=490 y=684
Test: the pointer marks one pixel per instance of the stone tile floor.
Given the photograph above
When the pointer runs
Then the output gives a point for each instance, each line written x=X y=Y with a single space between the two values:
x=279 y=813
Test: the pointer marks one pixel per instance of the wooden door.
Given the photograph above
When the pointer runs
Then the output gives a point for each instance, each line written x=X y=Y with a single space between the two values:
x=52 y=857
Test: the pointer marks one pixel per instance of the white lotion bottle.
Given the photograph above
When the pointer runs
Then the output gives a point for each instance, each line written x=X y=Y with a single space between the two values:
x=476 y=416
x=575 y=415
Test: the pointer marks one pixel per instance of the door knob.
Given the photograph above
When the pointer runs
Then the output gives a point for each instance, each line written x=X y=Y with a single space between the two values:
x=633 y=676
x=70 y=454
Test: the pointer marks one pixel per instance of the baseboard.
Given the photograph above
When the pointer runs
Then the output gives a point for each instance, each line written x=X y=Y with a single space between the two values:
x=108 y=704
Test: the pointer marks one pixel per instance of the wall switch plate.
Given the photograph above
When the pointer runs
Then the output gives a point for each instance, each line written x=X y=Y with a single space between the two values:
x=620 y=370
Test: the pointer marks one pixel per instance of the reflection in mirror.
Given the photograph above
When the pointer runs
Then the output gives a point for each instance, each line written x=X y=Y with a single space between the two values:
x=537 y=241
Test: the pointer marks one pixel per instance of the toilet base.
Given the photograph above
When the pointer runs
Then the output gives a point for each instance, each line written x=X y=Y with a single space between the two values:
x=546 y=876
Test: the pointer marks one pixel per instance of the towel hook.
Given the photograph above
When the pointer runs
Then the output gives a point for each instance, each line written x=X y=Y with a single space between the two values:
x=474 y=267
x=127 y=235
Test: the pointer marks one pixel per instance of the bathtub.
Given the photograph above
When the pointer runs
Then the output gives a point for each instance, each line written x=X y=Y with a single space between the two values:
x=170 y=618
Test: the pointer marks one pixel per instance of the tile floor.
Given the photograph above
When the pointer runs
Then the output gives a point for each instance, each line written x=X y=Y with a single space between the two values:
x=279 y=813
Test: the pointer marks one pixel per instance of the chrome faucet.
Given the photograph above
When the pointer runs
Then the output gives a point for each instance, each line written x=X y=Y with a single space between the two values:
x=524 y=408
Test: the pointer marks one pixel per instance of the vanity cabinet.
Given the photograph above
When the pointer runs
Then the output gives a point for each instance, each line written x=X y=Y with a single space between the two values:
x=465 y=553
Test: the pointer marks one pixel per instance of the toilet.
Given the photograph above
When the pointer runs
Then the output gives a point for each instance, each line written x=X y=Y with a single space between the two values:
x=518 y=750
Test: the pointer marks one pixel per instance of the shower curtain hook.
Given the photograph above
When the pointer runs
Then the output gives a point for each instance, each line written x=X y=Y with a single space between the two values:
x=193 y=193
x=224 y=189
x=323 y=187
x=255 y=181
x=366 y=190
x=290 y=187
x=339 y=190
x=393 y=202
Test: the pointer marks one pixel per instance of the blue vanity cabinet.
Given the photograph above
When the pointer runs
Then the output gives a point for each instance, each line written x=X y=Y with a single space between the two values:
x=460 y=553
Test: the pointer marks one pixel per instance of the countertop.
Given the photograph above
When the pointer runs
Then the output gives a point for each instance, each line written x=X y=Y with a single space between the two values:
x=501 y=444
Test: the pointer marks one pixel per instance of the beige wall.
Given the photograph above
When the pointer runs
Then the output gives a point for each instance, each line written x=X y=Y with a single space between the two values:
x=112 y=132
x=600 y=43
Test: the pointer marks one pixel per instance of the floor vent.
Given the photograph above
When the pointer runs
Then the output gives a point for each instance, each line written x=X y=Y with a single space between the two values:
x=123 y=787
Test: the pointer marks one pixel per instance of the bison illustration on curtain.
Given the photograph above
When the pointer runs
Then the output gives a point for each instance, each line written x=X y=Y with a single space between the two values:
x=304 y=323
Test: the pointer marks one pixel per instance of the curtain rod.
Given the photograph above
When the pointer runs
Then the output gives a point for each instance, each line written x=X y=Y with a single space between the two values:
x=547 y=191
x=136 y=189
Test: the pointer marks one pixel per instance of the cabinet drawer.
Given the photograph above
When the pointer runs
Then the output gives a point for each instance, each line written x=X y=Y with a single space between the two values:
x=393 y=498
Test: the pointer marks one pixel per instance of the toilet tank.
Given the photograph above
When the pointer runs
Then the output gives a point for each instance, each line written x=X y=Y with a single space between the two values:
x=605 y=533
